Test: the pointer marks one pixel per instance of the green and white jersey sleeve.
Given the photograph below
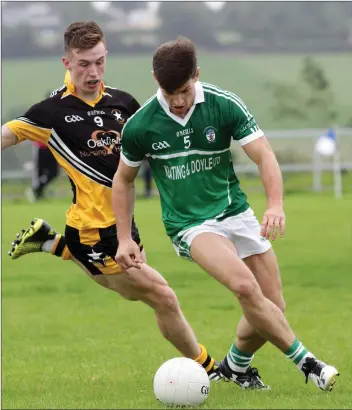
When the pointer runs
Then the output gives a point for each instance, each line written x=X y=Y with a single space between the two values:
x=240 y=120
x=132 y=152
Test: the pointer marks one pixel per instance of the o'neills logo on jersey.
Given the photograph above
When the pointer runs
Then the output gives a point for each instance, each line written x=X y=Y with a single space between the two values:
x=184 y=132
x=103 y=143
x=249 y=124
x=210 y=133
x=96 y=112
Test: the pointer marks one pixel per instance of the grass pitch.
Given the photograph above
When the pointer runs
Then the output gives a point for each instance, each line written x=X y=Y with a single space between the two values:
x=68 y=343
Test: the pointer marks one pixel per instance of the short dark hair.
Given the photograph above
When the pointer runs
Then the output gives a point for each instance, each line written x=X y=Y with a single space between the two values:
x=174 y=63
x=82 y=35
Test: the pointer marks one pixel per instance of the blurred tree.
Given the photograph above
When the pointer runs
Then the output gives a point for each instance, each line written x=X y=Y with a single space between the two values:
x=288 y=101
x=348 y=122
x=313 y=74
x=128 y=6
x=320 y=101
x=311 y=99
x=249 y=26
x=76 y=11
x=18 y=42
x=191 y=19
x=288 y=25
x=251 y=19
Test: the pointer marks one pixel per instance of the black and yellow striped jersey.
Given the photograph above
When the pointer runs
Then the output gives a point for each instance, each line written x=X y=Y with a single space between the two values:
x=84 y=137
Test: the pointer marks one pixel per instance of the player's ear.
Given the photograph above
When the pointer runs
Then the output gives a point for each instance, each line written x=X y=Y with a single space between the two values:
x=196 y=77
x=153 y=74
x=66 y=63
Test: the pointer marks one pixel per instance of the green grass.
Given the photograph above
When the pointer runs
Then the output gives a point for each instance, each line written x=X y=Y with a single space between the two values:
x=68 y=343
x=25 y=82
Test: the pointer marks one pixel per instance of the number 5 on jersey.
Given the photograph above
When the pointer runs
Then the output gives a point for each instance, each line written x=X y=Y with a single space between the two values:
x=187 y=141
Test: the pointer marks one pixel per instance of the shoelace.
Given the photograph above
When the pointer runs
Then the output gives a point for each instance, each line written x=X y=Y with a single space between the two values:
x=311 y=366
x=253 y=372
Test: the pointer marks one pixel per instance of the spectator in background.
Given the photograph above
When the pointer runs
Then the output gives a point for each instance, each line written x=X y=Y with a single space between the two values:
x=147 y=177
x=45 y=170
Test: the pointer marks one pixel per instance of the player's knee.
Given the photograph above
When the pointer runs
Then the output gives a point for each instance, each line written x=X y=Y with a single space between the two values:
x=246 y=289
x=165 y=299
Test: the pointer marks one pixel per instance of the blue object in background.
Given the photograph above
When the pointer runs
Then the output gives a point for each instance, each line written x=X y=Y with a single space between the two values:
x=331 y=134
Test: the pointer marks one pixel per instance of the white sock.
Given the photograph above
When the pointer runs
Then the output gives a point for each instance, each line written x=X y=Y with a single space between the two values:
x=237 y=360
x=301 y=362
x=49 y=244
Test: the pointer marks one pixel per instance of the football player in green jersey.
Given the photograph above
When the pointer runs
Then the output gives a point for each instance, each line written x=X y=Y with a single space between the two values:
x=185 y=132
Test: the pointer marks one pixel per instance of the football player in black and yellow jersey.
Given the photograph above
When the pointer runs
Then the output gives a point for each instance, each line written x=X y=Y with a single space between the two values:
x=81 y=123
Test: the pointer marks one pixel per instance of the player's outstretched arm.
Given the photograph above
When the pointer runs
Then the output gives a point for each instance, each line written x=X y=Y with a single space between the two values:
x=8 y=138
x=260 y=152
x=123 y=197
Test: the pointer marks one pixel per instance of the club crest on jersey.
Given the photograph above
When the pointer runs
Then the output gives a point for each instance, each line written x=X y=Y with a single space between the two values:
x=118 y=116
x=210 y=134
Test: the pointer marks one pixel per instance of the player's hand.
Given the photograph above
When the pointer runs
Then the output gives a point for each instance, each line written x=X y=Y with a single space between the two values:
x=274 y=220
x=128 y=255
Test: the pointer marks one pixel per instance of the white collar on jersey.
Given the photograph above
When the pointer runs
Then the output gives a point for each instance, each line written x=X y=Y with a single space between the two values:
x=199 y=98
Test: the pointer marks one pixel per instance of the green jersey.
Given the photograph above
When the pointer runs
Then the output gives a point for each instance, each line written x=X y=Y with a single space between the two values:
x=190 y=157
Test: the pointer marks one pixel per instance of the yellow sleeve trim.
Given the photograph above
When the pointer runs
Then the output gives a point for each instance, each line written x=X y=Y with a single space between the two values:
x=26 y=131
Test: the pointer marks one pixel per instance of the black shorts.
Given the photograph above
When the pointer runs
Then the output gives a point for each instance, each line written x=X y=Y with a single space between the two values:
x=96 y=248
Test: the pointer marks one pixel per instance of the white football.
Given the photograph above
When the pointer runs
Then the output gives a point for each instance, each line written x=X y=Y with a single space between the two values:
x=181 y=382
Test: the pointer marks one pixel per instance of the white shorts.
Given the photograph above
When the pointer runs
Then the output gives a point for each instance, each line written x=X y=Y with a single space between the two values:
x=243 y=230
